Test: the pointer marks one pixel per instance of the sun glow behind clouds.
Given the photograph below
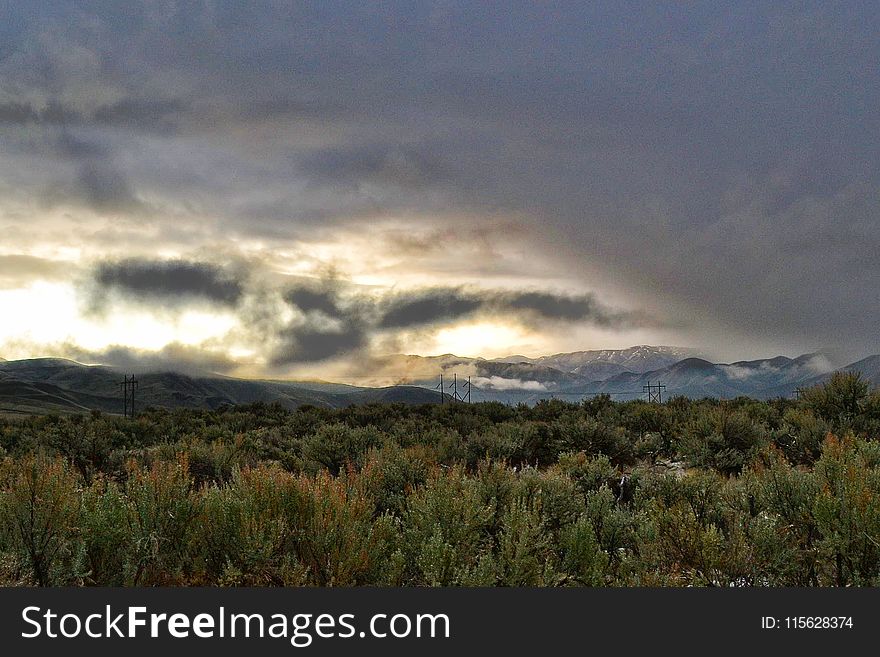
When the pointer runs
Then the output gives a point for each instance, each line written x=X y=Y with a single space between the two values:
x=486 y=339
x=46 y=313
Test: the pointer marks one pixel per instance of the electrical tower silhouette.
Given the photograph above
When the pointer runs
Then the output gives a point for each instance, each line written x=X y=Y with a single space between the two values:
x=454 y=387
x=440 y=386
x=129 y=385
x=456 y=396
x=654 y=392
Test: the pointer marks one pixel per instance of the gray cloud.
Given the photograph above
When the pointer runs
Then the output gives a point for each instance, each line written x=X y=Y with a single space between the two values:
x=169 y=280
x=553 y=306
x=306 y=345
x=156 y=115
x=423 y=307
x=380 y=164
x=17 y=113
x=356 y=319
x=428 y=307
x=313 y=339
x=53 y=113
x=106 y=188
x=309 y=299
x=335 y=319
x=174 y=357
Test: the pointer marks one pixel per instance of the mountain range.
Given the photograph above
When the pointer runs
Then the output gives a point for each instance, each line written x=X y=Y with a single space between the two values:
x=624 y=373
x=57 y=385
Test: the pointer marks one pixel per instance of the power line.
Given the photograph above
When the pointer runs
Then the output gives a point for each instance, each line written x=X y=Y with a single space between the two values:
x=654 y=392
x=557 y=393
x=467 y=387
x=456 y=395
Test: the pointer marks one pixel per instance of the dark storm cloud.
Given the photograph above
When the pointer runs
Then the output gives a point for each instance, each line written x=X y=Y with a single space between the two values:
x=428 y=307
x=552 y=306
x=308 y=299
x=711 y=161
x=140 y=114
x=355 y=319
x=17 y=113
x=134 y=113
x=54 y=113
x=170 y=280
x=306 y=345
x=434 y=306
x=314 y=339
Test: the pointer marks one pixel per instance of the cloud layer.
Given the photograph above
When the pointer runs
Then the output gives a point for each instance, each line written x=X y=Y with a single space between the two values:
x=174 y=281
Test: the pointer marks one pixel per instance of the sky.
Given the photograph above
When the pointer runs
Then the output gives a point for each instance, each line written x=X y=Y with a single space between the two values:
x=281 y=189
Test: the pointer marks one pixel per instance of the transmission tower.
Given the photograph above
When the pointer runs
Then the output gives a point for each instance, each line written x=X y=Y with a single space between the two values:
x=440 y=386
x=654 y=392
x=129 y=385
x=467 y=396
x=454 y=387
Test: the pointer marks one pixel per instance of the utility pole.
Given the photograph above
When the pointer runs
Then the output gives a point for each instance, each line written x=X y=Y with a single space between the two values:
x=124 y=386
x=133 y=384
x=128 y=385
x=654 y=392
x=441 y=387
x=454 y=386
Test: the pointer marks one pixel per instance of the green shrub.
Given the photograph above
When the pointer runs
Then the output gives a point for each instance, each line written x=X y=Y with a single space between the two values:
x=592 y=494
x=840 y=401
x=39 y=510
x=723 y=439
x=162 y=509
x=105 y=539
x=847 y=513
x=333 y=446
x=445 y=530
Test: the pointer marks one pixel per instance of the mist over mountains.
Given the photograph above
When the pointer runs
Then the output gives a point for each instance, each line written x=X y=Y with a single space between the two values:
x=623 y=373
x=57 y=385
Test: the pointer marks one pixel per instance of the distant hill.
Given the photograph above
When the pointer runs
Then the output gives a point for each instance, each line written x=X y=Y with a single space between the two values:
x=869 y=367
x=696 y=378
x=54 y=385
x=393 y=394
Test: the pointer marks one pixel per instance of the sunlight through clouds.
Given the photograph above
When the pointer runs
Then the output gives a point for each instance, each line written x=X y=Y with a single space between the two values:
x=50 y=314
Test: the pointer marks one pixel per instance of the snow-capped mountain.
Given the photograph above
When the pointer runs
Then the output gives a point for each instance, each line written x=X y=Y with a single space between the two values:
x=641 y=358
